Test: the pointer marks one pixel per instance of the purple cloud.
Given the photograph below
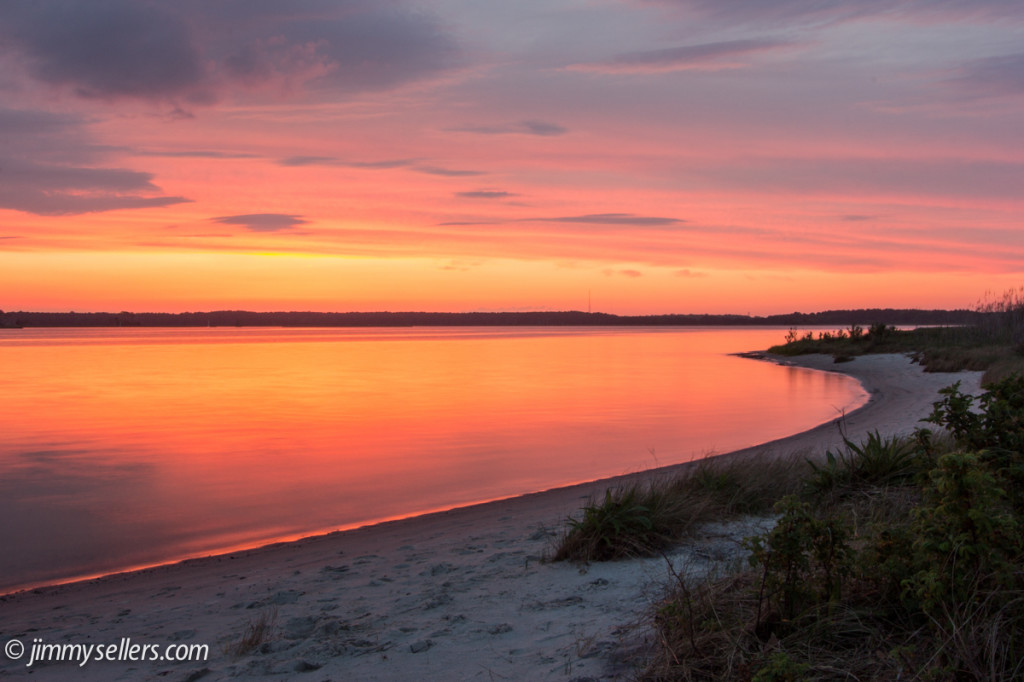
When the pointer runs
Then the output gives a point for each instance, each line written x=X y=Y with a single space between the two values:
x=49 y=166
x=334 y=161
x=446 y=172
x=528 y=127
x=192 y=51
x=108 y=49
x=870 y=177
x=308 y=161
x=626 y=219
x=485 y=194
x=797 y=12
x=717 y=55
x=991 y=77
x=195 y=154
x=263 y=222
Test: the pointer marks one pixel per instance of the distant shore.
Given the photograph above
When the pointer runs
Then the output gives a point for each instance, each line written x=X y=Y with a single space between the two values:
x=461 y=594
x=569 y=318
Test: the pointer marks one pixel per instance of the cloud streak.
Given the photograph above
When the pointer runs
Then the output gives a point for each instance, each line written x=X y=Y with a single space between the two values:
x=857 y=178
x=49 y=166
x=195 y=154
x=820 y=12
x=385 y=164
x=485 y=194
x=447 y=172
x=614 y=219
x=704 y=57
x=263 y=222
x=1001 y=76
x=528 y=127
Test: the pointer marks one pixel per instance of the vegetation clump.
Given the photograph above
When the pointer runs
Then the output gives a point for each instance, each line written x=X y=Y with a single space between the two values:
x=258 y=631
x=641 y=519
x=995 y=344
x=895 y=559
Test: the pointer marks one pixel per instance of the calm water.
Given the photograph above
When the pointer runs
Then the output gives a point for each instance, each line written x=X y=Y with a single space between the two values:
x=123 y=447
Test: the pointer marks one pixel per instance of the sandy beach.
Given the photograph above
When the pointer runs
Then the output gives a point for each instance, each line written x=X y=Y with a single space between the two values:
x=457 y=595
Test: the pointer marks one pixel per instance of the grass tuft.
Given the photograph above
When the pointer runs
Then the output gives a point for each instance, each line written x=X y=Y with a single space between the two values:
x=877 y=462
x=640 y=519
x=257 y=631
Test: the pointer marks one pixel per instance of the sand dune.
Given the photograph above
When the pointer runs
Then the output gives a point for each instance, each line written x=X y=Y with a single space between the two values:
x=457 y=595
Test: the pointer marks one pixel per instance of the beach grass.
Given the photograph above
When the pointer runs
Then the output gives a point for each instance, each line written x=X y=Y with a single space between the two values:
x=257 y=631
x=643 y=518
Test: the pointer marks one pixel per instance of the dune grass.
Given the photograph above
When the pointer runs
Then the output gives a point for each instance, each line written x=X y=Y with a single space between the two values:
x=257 y=631
x=643 y=518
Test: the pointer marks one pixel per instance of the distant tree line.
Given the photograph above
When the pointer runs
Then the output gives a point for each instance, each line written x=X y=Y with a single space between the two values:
x=242 y=318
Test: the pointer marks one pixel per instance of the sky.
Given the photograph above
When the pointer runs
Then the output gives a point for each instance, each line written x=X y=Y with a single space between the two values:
x=626 y=156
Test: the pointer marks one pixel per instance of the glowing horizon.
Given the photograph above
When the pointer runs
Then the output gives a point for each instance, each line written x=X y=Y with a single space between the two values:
x=666 y=156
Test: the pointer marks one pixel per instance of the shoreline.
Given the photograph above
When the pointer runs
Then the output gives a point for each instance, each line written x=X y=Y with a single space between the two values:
x=460 y=594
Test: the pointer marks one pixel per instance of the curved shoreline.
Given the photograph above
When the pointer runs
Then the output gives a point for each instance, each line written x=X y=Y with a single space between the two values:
x=458 y=594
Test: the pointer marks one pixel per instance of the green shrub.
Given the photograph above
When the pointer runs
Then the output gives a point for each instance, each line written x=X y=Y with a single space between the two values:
x=995 y=430
x=803 y=559
x=997 y=423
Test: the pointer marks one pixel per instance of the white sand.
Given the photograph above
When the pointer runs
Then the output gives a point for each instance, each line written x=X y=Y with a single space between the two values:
x=456 y=595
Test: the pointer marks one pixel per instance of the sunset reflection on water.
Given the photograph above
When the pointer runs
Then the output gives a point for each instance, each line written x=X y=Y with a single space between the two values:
x=120 y=447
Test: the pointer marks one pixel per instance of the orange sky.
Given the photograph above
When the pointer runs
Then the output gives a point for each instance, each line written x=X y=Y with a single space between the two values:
x=655 y=155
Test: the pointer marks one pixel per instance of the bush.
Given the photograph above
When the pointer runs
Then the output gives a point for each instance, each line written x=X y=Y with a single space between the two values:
x=803 y=562
x=932 y=588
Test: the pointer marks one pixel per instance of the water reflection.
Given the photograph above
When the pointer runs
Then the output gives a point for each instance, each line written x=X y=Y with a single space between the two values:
x=133 y=446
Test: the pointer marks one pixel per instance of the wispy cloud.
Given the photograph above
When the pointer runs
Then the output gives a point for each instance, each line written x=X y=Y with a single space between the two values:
x=616 y=219
x=1001 y=76
x=705 y=56
x=447 y=172
x=602 y=220
x=263 y=222
x=384 y=164
x=856 y=178
x=819 y=12
x=195 y=154
x=529 y=127
x=486 y=194
x=51 y=167
x=632 y=274
x=308 y=161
